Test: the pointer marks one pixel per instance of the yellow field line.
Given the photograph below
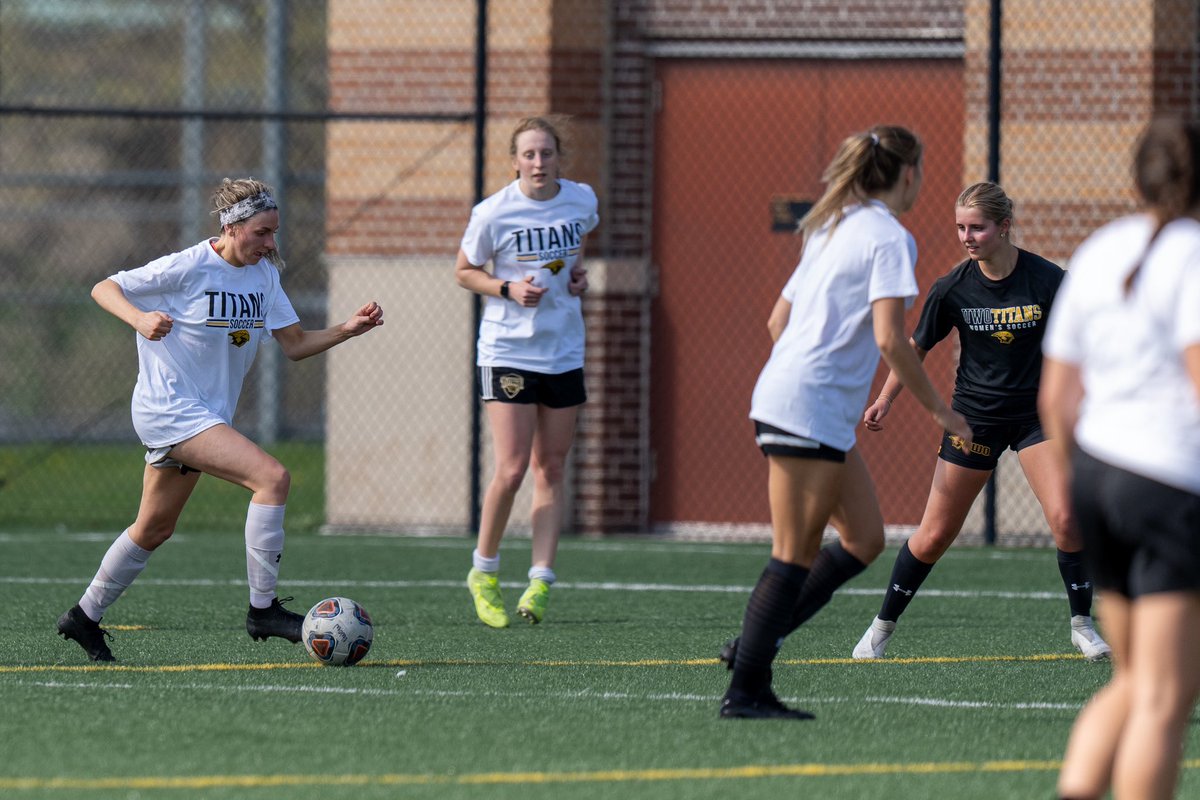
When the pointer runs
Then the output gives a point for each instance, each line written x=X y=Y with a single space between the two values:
x=524 y=778
x=451 y=662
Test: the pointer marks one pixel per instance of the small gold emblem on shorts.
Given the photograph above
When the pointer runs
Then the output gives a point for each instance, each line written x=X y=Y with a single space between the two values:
x=976 y=448
x=239 y=338
x=512 y=384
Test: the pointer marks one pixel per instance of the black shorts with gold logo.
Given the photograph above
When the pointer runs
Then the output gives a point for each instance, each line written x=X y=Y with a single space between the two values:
x=512 y=385
x=989 y=440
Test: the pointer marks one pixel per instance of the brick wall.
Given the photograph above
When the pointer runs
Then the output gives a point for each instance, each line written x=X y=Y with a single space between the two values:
x=1074 y=98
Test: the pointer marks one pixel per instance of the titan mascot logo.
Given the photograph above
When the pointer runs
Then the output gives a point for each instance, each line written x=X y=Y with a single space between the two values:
x=555 y=266
x=512 y=384
x=976 y=448
x=1003 y=337
x=239 y=338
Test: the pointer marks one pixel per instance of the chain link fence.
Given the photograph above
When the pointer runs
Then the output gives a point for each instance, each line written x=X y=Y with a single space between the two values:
x=704 y=129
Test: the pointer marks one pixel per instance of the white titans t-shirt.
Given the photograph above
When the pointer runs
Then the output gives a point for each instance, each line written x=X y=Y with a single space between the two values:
x=190 y=380
x=816 y=381
x=543 y=238
x=1140 y=411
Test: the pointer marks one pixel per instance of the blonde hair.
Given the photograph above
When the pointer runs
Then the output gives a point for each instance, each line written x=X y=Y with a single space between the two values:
x=233 y=191
x=990 y=199
x=865 y=164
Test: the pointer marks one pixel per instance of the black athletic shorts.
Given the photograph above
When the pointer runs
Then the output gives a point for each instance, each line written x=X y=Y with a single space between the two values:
x=1139 y=536
x=512 y=385
x=778 y=442
x=988 y=441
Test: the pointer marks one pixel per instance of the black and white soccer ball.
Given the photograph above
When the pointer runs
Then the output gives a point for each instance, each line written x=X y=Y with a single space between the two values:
x=337 y=632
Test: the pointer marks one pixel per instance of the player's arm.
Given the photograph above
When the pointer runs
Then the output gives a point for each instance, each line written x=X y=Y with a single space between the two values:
x=153 y=325
x=478 y=280
x=578 y=284
x=298 y=343
x=897 y=351
x=892 y=386
x=779 y=318
x=1191 y=362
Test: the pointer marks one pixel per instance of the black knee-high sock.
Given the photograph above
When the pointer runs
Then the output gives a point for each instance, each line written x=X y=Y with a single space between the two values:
x=766 y=622
x=907 y=576
x=1075 y=578
x=832 y=567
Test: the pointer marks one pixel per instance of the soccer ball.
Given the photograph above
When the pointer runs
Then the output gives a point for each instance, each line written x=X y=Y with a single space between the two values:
x=337 y=631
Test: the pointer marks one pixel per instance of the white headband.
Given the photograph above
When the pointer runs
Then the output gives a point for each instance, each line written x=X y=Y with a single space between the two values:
x=244 y=209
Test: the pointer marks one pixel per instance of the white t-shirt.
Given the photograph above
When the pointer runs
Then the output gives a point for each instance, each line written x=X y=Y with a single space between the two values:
x=190 y=380
x=543 y=238
x=816 y=381
x=1140 y=411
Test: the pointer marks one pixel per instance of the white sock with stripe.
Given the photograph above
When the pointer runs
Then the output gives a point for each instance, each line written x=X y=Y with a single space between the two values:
x=123 y=562
x=264 y=549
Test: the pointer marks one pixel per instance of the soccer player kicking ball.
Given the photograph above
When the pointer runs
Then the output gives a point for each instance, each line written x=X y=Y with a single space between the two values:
x=200 y=315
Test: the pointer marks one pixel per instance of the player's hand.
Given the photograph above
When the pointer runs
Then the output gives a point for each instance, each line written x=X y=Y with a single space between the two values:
x=579 y=281
x=366 y=318
x=154 y=325
x=873 y=418
x=956 y=425
x=525 y=293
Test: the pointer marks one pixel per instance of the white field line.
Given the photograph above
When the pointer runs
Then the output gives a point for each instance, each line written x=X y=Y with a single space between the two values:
x=600 y=586
x=624 y=544
x=583 y=694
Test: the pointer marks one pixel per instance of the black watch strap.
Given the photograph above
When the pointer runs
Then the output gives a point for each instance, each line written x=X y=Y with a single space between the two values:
x=504 y=289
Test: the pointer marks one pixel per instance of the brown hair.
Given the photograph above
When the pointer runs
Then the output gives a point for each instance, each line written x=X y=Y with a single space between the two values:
x=865 y=164
x=1166 y=169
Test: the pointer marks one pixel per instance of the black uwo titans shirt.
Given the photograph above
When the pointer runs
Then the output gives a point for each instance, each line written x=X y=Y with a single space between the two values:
x=1000 y=327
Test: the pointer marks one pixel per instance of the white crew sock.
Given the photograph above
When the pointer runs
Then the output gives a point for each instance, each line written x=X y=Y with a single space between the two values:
x=485 y=564
x=123 y=562
x=264 y=549
x=542 y=574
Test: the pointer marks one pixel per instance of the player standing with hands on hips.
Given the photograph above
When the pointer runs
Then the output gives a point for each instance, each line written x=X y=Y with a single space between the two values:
x=1120 y=399
x=998 y=300
x=200 y=315
x=530 y=351
x=842 y=308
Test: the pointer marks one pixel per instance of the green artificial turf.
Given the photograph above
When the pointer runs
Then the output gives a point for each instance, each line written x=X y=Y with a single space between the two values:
x=614 y=695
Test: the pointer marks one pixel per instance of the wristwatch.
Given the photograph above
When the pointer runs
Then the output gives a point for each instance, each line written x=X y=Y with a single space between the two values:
x=504 y=289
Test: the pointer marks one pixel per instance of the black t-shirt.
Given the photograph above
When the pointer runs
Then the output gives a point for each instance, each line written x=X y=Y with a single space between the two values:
x=1000 y=327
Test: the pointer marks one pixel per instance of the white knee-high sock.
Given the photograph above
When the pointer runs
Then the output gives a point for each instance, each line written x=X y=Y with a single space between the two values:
x=123 y=562
x=264 y=549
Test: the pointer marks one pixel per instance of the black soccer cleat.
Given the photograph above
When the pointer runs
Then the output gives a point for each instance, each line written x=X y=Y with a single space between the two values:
x=728 y=653
x=274 y=620
x=76 y=625
x=766 y=706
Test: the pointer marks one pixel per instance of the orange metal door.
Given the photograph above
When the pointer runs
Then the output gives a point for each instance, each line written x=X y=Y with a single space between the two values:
x=733 y=139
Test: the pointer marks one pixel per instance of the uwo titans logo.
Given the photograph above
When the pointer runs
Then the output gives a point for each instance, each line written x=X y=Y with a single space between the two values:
x=239 y=312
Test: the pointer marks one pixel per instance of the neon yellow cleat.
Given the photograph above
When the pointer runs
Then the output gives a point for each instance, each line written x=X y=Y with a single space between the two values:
x=489 y=605
x=532 y=605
